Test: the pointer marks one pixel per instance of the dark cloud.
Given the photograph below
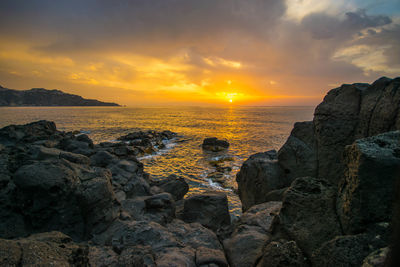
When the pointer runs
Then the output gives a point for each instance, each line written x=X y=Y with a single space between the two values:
x=324 y=26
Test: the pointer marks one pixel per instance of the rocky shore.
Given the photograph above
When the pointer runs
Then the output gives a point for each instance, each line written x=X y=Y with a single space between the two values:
x=324 y=199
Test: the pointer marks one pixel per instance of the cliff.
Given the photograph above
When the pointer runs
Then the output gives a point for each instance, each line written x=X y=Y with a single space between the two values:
x=44 y=97
x=334 y=179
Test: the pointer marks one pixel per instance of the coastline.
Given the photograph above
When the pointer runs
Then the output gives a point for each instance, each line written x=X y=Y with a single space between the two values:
x=301 y=204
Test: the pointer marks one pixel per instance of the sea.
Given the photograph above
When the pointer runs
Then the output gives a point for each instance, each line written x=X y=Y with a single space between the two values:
x=249 y=130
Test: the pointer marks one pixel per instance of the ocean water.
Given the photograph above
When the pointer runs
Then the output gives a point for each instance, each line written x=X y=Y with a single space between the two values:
x=248 y=129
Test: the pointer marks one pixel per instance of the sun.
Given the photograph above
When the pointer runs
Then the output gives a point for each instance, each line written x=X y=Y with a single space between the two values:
x=230 y=100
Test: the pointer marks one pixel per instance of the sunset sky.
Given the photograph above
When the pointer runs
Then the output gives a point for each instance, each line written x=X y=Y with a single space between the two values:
x=195 y=52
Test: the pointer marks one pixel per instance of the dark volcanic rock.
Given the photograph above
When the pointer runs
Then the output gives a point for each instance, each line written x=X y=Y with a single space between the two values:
x=43 y=97
x=67 y=197
x=259 y=175
x=209 y=209
x=335 y=120
x=308 y=213
x=366 y=193
x=348 y=250
x=47 y=249
x=252 y=232
x=282 y=253
x=176 y=186
x=298 y=157
x=214 y=144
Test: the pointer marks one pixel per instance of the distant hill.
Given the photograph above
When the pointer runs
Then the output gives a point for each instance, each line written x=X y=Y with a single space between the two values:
x=44 y=97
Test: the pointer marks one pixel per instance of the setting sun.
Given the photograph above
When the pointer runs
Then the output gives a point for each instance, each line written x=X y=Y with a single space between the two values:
x=230 y=100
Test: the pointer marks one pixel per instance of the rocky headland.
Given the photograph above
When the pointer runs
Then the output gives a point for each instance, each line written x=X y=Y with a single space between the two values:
x=324 y=199
x=44 y=97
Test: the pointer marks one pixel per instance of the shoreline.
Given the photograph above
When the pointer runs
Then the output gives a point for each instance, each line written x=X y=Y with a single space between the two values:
x=321 y=200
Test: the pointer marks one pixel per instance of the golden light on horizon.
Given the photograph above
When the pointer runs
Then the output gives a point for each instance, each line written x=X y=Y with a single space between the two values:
x=230 y=100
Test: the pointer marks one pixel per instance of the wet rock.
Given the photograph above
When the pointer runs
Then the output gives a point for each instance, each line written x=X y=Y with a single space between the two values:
x=282 y=253
x=214 y=144
x=308 y=213
x=366 y=193
x=209 y=209
x=176 y=186
x=160 y=207
x=259 y=174
x=298 y=157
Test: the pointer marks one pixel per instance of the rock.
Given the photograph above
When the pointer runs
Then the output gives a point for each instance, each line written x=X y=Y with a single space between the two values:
x=205 y=256
x=348 y=250
x=366 y=193
x=252 y=232
x=102 y=159
x=308 y=213
x=160 y=207
x=176 y=186
x=297 y=157
x=214 y=144
x=194 y=235
x=10 y=253
x=276 y=195
x=261 y=215
x=379 y=108
x=259 y=175
x=37 y=250
x=102 y=256
x=176 y=257
x=209 y=209
x=282 y=253
x=245 y=246
x=75 y=158
x=335 y=120
x=59 y=195
x=376 y=258
x=31 y=132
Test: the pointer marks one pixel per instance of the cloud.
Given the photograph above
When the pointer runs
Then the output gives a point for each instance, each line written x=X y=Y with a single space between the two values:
x=265 y=48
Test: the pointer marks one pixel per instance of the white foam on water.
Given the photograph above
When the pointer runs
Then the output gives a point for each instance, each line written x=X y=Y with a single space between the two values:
x=216 y=185
x=169 y=144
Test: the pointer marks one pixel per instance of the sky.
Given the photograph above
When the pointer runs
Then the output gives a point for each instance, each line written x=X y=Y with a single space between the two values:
x=192 y=52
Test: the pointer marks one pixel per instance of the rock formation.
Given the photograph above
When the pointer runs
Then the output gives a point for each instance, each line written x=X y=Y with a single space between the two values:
x=335 y=176
x=67 y=201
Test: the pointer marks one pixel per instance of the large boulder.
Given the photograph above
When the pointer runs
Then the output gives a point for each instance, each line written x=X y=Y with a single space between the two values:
x=298 y=157
x=335 y=120
x=176 y=186
x=259 y=175
x=56 y=194
x=209 y=209
x=214 y=144
x=308 y=213
x=31 y=132
x=366 y=193
x=251 y=233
